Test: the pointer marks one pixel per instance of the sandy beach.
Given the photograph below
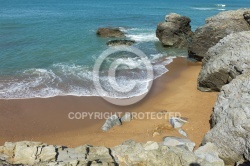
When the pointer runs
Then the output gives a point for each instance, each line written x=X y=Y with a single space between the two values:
x=46 y=120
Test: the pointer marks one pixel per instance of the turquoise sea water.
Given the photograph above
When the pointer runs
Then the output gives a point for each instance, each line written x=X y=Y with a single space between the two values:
x=48 y=48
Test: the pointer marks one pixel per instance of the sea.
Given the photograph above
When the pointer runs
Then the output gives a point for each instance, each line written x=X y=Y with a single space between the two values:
x=49 y=47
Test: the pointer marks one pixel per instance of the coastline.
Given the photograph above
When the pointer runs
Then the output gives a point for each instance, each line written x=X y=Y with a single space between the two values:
x=46 y=119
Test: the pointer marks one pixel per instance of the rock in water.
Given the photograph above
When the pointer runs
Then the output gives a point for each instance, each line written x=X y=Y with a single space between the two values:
x=179 y=142
x=120 y=42
x=110 y=122
x=175 y=31
x=110 y=32
x=231 y=121
x=216 y=28
x=227 y=59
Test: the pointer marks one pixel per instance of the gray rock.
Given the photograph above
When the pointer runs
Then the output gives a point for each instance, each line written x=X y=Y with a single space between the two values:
x=110 y=122
x=175 y=31
x=179 y=142
x=231 y=121
x=127 y=117
x=215 y=29
x=110 y=32
x=227 y=59
x=99 y=154
x=120 y=42
x=177 y=122
x=182 y=132
x=210 y=154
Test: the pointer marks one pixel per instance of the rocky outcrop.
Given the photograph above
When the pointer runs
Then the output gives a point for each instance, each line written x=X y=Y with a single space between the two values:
x=231 y=121
x=175 y=31
x=120 y=42
x=110 y=32
x=227 y=59
x=128 y=153
x=216 y=28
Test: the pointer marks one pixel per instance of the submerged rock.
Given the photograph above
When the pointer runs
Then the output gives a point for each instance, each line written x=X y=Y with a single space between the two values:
x=231 y=121
x=110 y=122
x=227 y=59
x=120 y=42
x=216 y=28
x=110 y=32
x=175 y=31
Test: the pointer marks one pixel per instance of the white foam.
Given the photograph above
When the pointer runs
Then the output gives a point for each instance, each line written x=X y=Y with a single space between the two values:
x=143 y=37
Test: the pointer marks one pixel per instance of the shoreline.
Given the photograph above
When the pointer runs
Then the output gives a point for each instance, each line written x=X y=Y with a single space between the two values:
x=46 y=119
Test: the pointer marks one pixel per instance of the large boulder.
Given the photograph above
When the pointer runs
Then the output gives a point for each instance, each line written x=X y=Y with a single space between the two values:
x=227 y=59
x=216 y=28
x=231 y=121
x=175 y=31
x=110 y=32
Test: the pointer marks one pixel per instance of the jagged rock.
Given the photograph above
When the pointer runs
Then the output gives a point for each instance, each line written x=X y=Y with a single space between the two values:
x=179 y=142
x=110 y=122
x=99 y=153
x=209 y=153
x=177 y=122
x=127 y=117
x=110 y=32
x=175 y=31
x=231 y=121
x=129 y=153
x=227 y=59
x=216 y=28
x=120 y=42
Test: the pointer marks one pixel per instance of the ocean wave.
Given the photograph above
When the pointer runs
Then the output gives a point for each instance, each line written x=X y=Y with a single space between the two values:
x=143 y=37
x=220 y=5
x=77 y=80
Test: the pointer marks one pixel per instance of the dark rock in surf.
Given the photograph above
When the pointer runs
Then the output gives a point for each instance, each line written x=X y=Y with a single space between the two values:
x=110 y=32
x=120 y=42
x=175 y=31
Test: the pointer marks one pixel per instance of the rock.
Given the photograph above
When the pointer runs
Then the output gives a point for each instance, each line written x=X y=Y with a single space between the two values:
x=127 y=117
x=175 y=31
x=215 y=29
x=110 y=122
x=179 y=142
x=110 y=32
x=150 y=145
x=224 y=61
x=182 y=132
x=99 y=153
x=128 y=153
x=120 y=42
x=156 y=134
x=25 y=152
x=210 y=154
x=231 y=121
x=177 y=122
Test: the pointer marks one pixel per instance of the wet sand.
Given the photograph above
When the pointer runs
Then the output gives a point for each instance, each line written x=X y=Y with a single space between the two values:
x=46 y=120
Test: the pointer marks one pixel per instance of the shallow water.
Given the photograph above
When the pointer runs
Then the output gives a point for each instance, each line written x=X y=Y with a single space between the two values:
x=48 y=48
